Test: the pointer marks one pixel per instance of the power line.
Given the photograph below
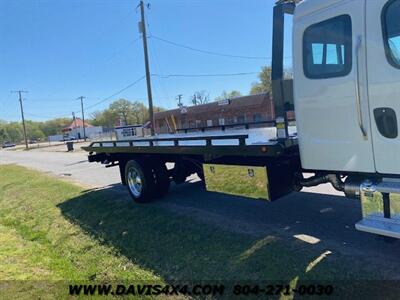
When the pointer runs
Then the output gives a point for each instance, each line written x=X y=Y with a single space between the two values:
x=211 y=52
x=107 y=60
x=93 y=105
x=56 y=101
x=103 y=33
x=120 y=50
x=154 y=57
x=116 y=93
x=55 y=116
x=204 y=75
x=162 y=76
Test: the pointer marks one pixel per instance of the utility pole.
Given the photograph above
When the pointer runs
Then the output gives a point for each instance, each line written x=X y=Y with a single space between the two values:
x=83 y=117
x=194 y=99
x=22 y=114
x=74 y=119
x=142 y=27
x=179 y=98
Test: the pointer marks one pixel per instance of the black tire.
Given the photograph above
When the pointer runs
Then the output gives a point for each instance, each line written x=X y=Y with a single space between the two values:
x=139 y=181
x=162 y=180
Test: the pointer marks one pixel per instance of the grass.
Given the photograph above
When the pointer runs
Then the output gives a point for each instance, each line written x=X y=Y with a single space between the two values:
x=52 y=230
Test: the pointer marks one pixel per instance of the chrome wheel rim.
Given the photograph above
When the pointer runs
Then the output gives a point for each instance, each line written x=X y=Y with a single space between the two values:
x=135 y=182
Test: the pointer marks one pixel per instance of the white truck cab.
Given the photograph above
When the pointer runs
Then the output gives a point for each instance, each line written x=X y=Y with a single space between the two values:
x=346 y=62
x=346 y=57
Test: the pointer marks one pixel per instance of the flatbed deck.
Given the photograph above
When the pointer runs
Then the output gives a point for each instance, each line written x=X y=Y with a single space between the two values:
x=212 y=144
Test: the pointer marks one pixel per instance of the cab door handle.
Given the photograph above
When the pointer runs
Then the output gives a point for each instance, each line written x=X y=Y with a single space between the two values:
x=386 y=121
x=358 y=90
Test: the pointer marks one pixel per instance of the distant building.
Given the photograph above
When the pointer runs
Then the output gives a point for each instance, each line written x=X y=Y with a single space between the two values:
x=241 y=110
x=75 y=129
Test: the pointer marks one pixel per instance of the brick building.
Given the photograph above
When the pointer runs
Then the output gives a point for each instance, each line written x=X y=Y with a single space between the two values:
x=240 y=110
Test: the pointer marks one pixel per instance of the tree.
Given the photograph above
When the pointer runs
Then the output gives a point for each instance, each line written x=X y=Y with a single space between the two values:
x=11 y=132
x=105 y=118
x=52 y=127
x=200 y=97
x=265 y=83
x=140 y=113
x=228 y=95
x=123 y=109
x=130 y=112
x=33 y=131
x=3 y=132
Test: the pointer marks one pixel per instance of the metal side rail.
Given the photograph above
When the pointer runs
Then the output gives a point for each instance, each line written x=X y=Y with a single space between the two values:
x=198 y=145
x=381 y=208
x=175 y=141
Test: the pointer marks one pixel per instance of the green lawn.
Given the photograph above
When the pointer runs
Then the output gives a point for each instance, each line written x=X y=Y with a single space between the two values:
x=52 y=230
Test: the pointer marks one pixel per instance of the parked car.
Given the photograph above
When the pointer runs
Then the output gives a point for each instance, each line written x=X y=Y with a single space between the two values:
x=8 y=145
x=32 y=142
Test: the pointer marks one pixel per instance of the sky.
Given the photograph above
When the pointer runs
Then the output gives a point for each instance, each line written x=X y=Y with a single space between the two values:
x=60 y=50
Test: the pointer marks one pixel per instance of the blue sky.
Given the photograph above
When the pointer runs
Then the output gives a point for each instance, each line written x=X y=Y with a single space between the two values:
x=60 y=50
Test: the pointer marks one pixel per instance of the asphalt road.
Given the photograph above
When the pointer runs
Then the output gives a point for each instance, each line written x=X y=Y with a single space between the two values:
x=320 y=217
x=71 y=165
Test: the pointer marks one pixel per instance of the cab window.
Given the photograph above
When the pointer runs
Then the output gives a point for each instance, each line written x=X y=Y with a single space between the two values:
x=391 y=31
x=327 y=48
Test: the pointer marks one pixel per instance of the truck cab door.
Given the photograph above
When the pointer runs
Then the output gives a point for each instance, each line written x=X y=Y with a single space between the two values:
x=330 y=86
x=383 y=62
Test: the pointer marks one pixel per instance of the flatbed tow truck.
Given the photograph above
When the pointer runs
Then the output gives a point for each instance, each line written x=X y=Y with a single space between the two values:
x=346 y=83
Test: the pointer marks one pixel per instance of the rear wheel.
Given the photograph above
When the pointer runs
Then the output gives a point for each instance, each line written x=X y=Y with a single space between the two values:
x=139 y=180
